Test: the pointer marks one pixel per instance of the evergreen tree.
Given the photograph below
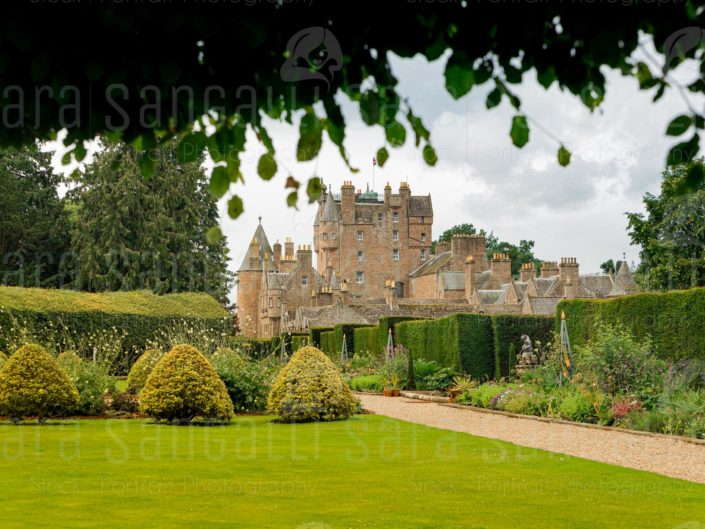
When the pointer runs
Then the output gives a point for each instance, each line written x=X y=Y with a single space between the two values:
x=135 y=233
x=34 y=225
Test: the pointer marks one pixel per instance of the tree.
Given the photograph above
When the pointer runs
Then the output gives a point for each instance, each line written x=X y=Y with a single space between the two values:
x=34 y=224
x=523 y=253
x=135 y=233
x=610 y=266
x=223 y=71
x=671 y=234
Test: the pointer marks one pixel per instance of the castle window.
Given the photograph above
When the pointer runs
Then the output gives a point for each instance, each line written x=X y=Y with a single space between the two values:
x=395 y=216
x=395 y=235
x=379 y=217
x=360 y=236
x=270 y=303
x=395 y=254
x=360 y=277
x=304 y=281
x=332 y=236
x=279 y=302
x=325 y=236
x=423 y=254
x=360 y=256
x=423 y=237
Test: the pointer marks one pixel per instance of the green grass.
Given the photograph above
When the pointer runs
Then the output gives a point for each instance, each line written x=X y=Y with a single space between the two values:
x=370 y=471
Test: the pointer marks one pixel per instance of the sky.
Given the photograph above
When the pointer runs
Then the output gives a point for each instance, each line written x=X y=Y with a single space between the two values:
x=618 y=154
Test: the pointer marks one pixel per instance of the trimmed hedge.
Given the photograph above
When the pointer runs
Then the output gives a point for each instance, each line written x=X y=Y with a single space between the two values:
x=327 y=343
x=366 y=340
x=142 y=315
x=507 y=330
x=674 y=320
x=386 y=323
x=315 y=335
x=298 y=341
x=475 y=344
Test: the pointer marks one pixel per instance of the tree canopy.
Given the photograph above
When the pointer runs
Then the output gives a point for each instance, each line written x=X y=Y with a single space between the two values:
x=205 y=74
x=671 y=234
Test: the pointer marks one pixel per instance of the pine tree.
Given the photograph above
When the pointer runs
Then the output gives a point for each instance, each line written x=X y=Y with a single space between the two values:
x=132 y=233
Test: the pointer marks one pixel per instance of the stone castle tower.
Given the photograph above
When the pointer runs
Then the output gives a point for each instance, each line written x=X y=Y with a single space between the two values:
x=369 y=240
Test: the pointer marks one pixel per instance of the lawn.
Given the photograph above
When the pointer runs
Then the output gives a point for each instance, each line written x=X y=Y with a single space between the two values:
x=370 y=471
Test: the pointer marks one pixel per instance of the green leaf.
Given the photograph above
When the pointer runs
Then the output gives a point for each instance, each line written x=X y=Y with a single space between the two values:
x=267 y=167
x=395 y=134
x=429 y=155
x=370 y=107
x=214 y=235
x=191 y=147
x=66 y=158
x=314 y=188
x=80 y=151
x=683 y=152
x=220 y=181
x=291 y=199
x=235 y=207
x=643 y=74
x=693 y=180
x=382 y=156
x=563 y=156
x=310 y=137
x=520 y=131
x=417 y=126
x=493 y=98
x=459 y=75
x=679 y=125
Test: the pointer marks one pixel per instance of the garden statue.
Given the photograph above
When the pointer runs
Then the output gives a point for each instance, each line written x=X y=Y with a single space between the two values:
x=527 y=359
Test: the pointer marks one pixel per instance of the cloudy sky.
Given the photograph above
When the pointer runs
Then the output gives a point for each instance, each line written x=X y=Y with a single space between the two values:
x=578 y=211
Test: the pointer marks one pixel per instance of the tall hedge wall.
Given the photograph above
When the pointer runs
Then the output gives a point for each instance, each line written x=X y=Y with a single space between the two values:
x=475 y=344
x=315 y=335
x=298 y=341
x=507 y=329
x=674 y=320
x=386 y=323
x=141 y=315
x=327 y=343
x=366 y=340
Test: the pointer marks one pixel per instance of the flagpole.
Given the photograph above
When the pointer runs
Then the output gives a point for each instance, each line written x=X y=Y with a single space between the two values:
x=374 y=162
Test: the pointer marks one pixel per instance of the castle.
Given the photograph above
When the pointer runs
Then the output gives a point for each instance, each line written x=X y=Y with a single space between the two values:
x=373 y=258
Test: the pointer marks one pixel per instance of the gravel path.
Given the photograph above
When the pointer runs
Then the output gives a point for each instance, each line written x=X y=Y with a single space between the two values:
x=670 y=457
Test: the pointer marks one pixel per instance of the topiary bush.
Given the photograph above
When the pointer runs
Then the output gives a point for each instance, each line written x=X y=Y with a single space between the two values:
x=92 y=380
x=33 y=385
x=310 y=388
x=183 y=386
x=3 y=359
x=141 y=369
x=248 y=381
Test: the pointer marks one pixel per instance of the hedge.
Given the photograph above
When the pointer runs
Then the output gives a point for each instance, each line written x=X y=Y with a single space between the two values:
x=475 y=344
x=327 y=341
x=258 y=347
x=142 y=315
x=674 y=320
x=508 y=329
x=386 y=323
x=315 y=335
x=298 y=341
x=366 y=340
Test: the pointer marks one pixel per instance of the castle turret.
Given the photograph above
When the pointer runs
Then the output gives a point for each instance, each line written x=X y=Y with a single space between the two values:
x=249 y=279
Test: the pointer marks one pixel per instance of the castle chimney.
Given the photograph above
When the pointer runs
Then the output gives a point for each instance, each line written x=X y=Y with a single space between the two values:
x=460 y=247
x=289 y=249
x=501 y=266
x=277 y=249
x=569 y=270
x=304 y=257
x=387 y=194
x=569 y=289
x=347 y=202
x=404 y=191
x=469 y=277
x=442 y=247
x=527 y=272
x=344 y=292
x=549 y=269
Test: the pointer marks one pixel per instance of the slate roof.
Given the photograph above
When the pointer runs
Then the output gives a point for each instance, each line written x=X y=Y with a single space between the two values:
x=420 y=206
x=329 y=315
x=545 y=305
x=331 y=212
x=482 y=279
x=488 y=297
x=543 y=284
x=259 y=247
x=598 y=285
x=623 y=281
x=432 y=265
x=453 y=280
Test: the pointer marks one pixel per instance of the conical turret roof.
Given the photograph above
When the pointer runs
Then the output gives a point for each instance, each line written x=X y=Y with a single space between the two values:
x=258 y=249
x=331 y=213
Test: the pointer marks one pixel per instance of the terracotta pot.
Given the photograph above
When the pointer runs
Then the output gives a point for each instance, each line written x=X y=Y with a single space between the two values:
x=396 y=393
x=388 y=392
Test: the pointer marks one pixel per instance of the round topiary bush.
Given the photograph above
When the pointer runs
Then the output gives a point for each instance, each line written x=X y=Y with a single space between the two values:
x=184 y=385
x=3 y=359
x=310 y=388
x=33 y=384
x=141 y=369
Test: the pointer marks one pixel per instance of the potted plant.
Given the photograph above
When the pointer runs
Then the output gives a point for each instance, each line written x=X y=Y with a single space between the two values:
x=392 y=386
x=461 y=384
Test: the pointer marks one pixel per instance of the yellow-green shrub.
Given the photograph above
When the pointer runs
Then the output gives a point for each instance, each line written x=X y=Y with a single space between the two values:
x=184 y=385
x=310 y=388
x=3 y=359
x=141 y=369
x=33 y=384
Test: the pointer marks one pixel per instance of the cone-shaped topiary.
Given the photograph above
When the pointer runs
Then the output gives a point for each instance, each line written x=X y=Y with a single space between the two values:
x=141 y=369
x=184 y=385
x=310 y=388
x=33 y=384
x=3 y=359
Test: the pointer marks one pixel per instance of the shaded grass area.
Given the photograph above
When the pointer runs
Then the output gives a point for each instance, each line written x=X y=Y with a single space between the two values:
x=370 y=471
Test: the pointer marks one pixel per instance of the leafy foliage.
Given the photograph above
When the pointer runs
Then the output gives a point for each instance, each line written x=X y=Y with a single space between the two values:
x=672 y=233
x=310 y=388
x=564 y=46
x=92 y=380
x=141 y=369
x=248 y=381
x=183 y=386
x=371 y=383
x=33 y=384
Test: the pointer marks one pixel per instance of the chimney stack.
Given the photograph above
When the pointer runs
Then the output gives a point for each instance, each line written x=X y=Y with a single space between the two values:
x=501 y=266
x=569 y=270
x=549 y=269
x=527 y=272
x=469 y=277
